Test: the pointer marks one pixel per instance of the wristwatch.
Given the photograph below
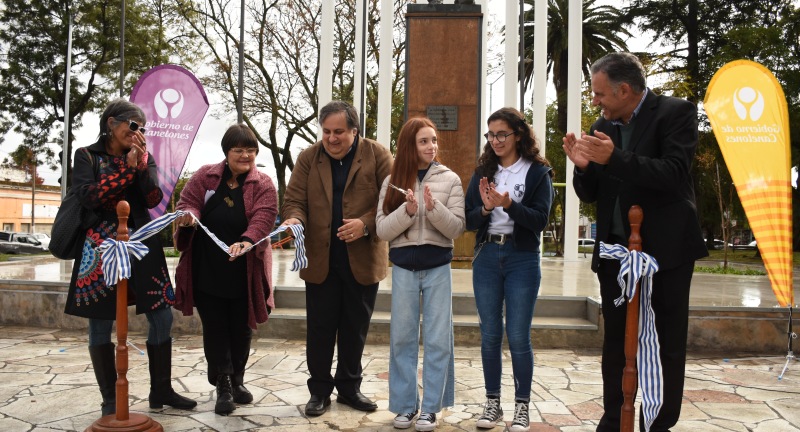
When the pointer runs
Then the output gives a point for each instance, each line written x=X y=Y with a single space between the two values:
x=366 y=231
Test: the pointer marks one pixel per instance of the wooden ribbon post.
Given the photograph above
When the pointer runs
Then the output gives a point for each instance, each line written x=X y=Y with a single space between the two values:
x=629 y=373
x=123 y=421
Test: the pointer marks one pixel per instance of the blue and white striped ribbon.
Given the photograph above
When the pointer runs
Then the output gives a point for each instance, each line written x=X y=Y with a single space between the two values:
x=636 y=266
x=116 y=254
x=300 y=260
x=116 y=258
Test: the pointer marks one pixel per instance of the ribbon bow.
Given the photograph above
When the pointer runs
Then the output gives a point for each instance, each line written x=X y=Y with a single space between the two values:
x=638 y=266
x=115 y=254
x=116 y=258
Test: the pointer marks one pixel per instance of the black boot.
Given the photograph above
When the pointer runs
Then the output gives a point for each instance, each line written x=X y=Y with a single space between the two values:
x=161 y=392
x=240 y=352
x=225 y=403
x=105 y=371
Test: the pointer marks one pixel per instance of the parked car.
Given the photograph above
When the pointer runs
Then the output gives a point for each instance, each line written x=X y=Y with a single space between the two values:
x=585 y=242
x=43 y=238
x=748 y=246
x=16 y=243
x=719 y=244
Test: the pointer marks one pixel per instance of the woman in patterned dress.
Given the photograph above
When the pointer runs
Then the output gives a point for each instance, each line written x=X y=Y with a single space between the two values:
x=118 y=167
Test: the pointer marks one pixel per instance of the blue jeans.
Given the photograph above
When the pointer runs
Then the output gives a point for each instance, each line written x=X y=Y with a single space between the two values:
x=432 y=289
x=503 y=275
x=160 y=321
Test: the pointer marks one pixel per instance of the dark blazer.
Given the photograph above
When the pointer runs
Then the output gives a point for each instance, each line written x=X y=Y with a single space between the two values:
x=309 y=198
x=654 y=174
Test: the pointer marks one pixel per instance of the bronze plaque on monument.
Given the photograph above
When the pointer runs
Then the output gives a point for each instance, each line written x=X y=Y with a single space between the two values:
x=444 y=116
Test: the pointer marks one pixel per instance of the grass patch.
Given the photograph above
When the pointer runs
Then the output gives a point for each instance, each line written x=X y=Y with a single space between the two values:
x=4 y=257
x=743 y=256
x=729 y=271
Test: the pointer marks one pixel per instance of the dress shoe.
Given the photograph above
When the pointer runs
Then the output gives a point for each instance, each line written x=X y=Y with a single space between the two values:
x=317 y=405
x=241 y=395
x=357 y=401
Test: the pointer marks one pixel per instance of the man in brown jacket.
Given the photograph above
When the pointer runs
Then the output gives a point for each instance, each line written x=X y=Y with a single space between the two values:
x=333 y=193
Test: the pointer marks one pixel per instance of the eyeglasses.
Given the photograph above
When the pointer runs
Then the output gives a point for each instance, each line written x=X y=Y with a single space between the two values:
x=499 y=137
x=131 y=124
x=240 y=151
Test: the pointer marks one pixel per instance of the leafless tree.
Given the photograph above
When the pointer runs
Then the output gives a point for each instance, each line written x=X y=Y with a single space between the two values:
x=281 y=56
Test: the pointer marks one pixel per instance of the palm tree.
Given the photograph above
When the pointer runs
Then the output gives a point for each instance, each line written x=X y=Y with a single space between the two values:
x=602 y=33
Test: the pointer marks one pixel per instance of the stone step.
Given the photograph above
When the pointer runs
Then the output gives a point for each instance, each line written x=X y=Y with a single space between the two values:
x=381 y=317
x=558 y=322
x=463 y=303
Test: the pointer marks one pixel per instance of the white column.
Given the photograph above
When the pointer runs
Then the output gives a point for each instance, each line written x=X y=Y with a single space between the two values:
x=359 y=77
x=484 y=66
x=325 y=85
x=539 y=121
x=540 y=73
x=511 y=98
x=575 y=37
x=385 y=73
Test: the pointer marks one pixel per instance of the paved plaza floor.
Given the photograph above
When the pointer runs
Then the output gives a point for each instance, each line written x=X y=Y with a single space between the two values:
x=46 y=384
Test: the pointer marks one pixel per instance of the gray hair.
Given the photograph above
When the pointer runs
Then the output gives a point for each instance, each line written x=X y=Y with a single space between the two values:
x=337 y=106
x=119 y=109
x=622 y=67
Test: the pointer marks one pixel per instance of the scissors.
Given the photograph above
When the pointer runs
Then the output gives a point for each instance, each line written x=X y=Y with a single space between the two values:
x=404 y=192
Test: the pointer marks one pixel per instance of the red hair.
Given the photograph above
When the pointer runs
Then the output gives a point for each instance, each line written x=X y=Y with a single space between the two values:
x=406 y=162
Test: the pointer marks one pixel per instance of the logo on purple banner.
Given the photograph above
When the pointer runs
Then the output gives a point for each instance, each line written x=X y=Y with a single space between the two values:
x=175 y=103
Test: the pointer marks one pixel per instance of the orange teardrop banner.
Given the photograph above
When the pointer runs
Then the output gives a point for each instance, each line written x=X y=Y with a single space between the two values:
x=748 y=113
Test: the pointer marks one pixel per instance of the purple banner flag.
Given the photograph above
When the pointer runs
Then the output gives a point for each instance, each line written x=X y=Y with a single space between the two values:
x=175 y=103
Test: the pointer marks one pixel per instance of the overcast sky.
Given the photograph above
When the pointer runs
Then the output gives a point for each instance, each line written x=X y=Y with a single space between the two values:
x=206 y=148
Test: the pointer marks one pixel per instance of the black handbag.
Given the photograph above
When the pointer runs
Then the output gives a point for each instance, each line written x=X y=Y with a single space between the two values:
x=69 y=228
x=72 y=220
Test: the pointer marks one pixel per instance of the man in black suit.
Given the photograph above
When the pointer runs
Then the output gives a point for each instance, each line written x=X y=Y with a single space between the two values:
x=639 y=152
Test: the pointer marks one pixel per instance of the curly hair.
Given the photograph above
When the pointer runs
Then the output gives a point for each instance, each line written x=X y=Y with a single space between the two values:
x=527 y=146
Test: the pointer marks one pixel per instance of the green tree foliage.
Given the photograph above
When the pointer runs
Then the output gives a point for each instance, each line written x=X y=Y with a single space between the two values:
x=703 y=35
x=166 y=235
x=700 y=37
x=602 y=33
x=33 y=39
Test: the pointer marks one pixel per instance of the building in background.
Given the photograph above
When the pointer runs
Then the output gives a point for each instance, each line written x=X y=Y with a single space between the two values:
x=17 y=199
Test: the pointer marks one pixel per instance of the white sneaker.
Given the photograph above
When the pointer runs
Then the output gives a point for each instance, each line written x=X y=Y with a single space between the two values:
x=426 y=422
x=521 y=422
x=403 y=421
x=492 y=413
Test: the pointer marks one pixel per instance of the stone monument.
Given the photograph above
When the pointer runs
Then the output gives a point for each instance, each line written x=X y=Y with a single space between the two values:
x=443 y=83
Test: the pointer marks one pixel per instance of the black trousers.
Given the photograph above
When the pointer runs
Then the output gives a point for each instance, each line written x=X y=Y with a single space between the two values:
x=226 y=335
x=338 y=312
x=671 y=307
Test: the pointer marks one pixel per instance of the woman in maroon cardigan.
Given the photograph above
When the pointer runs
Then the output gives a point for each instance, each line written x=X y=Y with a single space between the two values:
x=238 y=204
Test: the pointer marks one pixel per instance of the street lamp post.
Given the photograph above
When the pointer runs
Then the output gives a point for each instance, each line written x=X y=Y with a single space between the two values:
x=35 y=161
x=65 y=145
